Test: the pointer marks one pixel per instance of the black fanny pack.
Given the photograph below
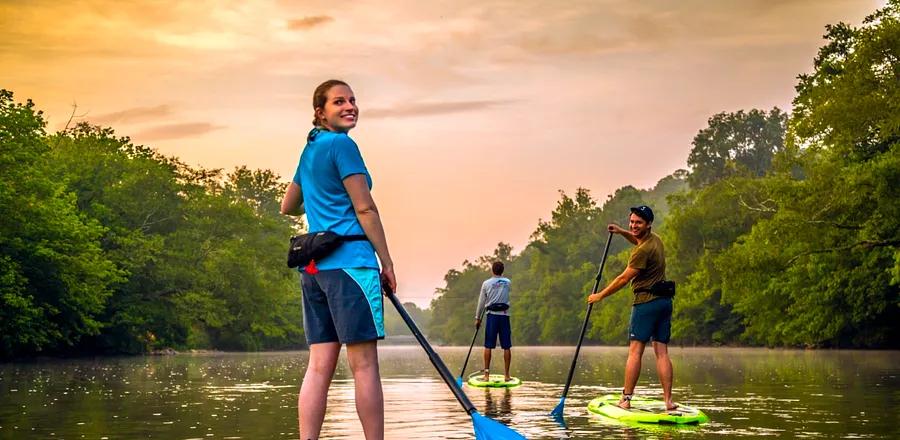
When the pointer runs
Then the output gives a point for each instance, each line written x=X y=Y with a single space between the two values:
x=316 y=246
x=665 y=289
x=498 y=307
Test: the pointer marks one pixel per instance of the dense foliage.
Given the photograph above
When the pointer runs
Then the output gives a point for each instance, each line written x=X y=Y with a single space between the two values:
x=786 y=231
x=107 y=246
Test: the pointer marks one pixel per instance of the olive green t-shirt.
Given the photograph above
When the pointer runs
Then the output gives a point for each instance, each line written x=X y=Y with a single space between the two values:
x=649 y=258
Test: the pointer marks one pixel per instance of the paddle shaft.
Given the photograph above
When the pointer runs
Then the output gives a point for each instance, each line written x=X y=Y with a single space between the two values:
x=432 y=356
x=463 y=372
x=587 y=317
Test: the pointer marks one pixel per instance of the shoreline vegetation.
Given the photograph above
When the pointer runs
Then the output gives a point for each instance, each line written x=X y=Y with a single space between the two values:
x=404 y=341
x=784 y=232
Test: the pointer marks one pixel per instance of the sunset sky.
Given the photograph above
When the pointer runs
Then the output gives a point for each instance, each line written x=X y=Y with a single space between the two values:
x=473 y=114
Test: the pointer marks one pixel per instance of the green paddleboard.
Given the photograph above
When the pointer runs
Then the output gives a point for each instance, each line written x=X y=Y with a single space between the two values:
x=645 y=410
x=496 y=381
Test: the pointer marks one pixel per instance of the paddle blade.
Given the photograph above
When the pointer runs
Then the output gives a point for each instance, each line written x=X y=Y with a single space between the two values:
x=488 y=429
x=558 y=411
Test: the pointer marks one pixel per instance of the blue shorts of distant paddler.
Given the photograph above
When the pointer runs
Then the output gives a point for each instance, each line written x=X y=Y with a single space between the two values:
x=342 y=305
x=651 y=320
x=497 y=325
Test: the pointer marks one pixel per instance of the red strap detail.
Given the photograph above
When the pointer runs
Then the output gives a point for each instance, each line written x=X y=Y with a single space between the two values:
x=311 y=268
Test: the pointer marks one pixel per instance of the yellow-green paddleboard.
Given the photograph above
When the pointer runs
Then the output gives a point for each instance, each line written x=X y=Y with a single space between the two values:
x=496 y=381
x=645 y=410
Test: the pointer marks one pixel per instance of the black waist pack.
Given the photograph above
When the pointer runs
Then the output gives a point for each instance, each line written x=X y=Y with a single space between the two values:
x=498 y=307
x=316 y=246
x=663 y=288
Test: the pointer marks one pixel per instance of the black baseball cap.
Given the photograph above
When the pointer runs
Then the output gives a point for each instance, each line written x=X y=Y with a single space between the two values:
x=643 y=212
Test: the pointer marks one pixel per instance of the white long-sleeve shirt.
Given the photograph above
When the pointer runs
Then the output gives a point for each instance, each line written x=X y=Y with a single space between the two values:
x=494 y=290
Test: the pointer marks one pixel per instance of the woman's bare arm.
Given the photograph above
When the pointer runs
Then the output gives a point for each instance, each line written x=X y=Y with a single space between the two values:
x=292 y=203
x=370 y=220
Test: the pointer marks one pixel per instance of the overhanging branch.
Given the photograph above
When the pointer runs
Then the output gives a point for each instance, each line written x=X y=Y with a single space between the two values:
x=865 y=243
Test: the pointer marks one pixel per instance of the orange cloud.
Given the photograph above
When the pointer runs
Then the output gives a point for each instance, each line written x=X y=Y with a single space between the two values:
x=175 y=131
x=431 y=108
x=302 y=24
x=132 y=115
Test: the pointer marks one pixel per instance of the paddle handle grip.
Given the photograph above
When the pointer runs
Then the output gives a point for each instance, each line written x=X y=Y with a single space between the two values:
x=432 y=355
x=587 y=317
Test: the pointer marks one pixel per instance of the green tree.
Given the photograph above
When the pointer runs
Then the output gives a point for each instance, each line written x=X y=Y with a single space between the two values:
x=201 y=253
x=394 y=325
x=739 y=143
x=702 y=224
x=54 y=277
x=820 y=270
x=851 y=101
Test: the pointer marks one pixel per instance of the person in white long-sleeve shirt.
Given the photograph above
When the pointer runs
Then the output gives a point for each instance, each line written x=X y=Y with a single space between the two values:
x=495 y=297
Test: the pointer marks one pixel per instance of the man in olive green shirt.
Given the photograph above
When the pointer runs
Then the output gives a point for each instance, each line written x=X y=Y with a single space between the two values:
x=651 y=314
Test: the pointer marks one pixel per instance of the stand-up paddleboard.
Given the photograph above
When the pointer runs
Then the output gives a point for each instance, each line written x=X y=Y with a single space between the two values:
x=645 y=410
x=496 y=381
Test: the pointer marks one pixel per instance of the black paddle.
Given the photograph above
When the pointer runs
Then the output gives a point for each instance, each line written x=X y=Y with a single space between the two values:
x=484 y=427
x=463 y=372
x=558 y=411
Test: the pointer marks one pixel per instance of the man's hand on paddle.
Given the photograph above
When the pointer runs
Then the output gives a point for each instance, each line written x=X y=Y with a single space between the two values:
x=615 y=229
x=477 y=324
x=594 y=297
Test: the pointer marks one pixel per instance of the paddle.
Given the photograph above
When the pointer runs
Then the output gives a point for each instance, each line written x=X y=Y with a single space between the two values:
x=558 y=411
x=484 y=427
x=463 y=372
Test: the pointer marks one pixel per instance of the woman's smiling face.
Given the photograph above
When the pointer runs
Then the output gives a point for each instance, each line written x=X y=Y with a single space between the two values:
x=340 y=111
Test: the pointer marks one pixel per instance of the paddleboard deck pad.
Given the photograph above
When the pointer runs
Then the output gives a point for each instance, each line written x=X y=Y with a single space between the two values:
x=645 y=410
x=496 y=381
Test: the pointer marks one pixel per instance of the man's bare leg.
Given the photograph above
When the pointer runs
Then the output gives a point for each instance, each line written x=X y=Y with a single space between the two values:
x=632 y=371
x=487 y=364
x=507 y=358
x=665 y=372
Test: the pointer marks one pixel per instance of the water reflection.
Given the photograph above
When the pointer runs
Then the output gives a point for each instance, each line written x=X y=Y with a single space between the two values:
x=746 y=392
x=497 y=407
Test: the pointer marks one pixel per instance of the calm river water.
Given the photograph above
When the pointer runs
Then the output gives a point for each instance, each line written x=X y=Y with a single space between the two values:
x=745 y=392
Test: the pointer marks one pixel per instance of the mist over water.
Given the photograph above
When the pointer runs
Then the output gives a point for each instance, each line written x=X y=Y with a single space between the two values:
x=745 y=392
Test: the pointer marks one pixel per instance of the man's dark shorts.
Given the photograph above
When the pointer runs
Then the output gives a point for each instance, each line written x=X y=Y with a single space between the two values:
x=342 y=305
x=497 y=325
x=651 y=320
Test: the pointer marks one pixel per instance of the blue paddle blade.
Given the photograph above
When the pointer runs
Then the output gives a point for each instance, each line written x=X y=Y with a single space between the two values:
x=488 y=429
x=558 y=411
x=459 y=382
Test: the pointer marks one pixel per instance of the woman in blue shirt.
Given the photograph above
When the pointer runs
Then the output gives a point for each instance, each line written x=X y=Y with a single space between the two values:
x=342 y=302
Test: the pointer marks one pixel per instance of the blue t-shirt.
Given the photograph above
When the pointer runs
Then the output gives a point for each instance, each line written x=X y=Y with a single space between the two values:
x=326 y=161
